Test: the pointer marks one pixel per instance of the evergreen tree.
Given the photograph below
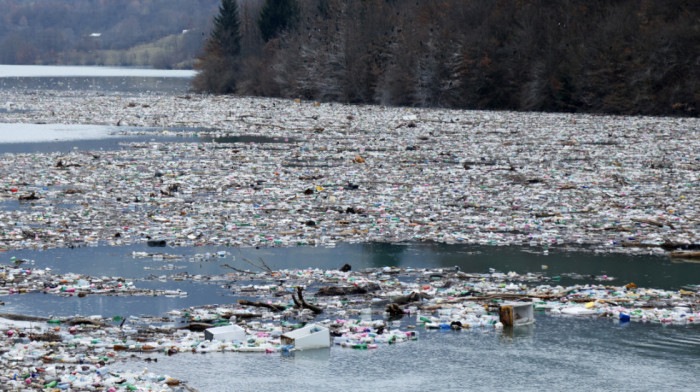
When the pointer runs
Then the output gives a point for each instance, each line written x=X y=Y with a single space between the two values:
x=276 y=16
x=218 y=65
x=226 y=33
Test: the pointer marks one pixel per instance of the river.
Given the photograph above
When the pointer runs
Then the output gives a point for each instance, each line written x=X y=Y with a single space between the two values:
x=556 y=353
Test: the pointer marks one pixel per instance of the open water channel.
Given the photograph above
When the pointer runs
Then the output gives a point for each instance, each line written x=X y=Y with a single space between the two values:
x=557 y=353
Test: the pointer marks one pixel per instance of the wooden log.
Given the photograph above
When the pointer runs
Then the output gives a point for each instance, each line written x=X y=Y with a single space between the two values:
x=639 y=245
x=305 y=304
x=276 y=308
x=347 y=290
x=46 y=337
x=21 y=317
x=84 y=321
x=341 y=290
x=412 y=297
x=684 y=254
x=241 y=315
x=509 y=296
x=394 y=310
x=31 y=196
x=196 y=327
x=648 y=222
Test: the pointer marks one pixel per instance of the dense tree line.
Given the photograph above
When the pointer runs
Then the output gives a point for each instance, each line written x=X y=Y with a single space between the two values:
x=621 y=56
x=63 y=31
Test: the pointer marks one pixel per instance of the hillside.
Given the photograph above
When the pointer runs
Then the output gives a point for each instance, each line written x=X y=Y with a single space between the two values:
x=160 y=33
x=623 y=56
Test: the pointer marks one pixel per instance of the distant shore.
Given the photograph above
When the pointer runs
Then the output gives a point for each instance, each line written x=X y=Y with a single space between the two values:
x=34 y=71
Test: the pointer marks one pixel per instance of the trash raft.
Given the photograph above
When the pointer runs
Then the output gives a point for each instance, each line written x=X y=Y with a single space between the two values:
x=20 y=280
x=362 y=310
x=273 y=172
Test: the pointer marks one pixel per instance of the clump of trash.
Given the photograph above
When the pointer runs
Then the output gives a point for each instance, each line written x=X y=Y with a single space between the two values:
x=15 y=280
x=306 y=309
x=270 y=172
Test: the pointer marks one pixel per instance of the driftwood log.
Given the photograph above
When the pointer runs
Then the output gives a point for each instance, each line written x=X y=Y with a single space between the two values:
x=45 y=337
x=31 y=196
x=685 y=254
x=196 y=327
x=668 y=245
x=276 y=308
x=347 y=290
x=413 y=297
x=21 y=317
x=394 y=310
x=85 y=321
x=301 y=303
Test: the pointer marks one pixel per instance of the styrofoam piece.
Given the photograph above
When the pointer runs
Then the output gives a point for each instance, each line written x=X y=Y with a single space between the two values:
x=309 y=337
x=226 y=333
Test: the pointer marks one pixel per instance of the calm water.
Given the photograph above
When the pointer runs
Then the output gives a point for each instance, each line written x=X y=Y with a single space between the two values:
x=48 y=138
x=103 y=79
x=645 y=271
x=557 y=353
x=571 y=267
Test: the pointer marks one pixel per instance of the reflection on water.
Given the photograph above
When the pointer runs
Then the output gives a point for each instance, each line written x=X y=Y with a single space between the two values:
x=37 y=304
x=645 y=271
x=87 y=72
x=101 y=79
x=16 y=205
x=558 y=354
x=511 y=334
x=567 y=266
x=49 y=138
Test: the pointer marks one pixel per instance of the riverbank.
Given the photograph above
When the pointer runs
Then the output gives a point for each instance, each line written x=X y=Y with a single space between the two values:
x=328 y=173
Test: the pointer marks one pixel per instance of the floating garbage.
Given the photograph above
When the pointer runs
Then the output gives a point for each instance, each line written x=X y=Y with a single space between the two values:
x=310 y=337
x=485 y=302
x=536 y=180
x=14 y=280
x=228 y=332
x=623 y=184
x=514 y=314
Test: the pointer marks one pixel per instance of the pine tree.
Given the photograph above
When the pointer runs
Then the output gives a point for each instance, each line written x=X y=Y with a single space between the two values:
x=226 y=33
x=276 y=16
x=218 y=65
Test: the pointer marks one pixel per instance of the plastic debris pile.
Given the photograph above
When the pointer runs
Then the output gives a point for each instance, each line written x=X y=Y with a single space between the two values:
x=368 y=334
x=362 y=309
x=267 y=172
x=15 y=280
x=326 y=173
x=42 y=356
x=446 y=295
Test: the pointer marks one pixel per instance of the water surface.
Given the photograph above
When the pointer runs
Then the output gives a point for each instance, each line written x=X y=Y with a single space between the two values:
x=557 y=353
x=104 y=79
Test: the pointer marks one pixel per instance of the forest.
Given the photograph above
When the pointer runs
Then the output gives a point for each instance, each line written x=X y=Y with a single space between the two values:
x=594 y=56
x=153 y=33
